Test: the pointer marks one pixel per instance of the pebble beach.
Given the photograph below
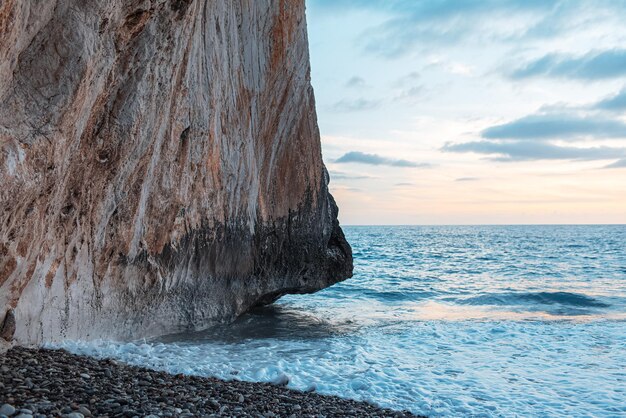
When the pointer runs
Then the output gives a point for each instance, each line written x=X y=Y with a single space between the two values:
x=37 y=383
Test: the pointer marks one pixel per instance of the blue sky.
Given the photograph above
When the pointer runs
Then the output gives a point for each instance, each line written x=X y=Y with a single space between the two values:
x=472 y=112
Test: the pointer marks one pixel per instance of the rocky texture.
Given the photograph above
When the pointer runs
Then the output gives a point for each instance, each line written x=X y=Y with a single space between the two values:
x=56 y=383
x=160 y=165
x=7 y=330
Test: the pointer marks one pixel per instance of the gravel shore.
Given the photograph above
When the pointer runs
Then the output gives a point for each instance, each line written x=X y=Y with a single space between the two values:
x=54 y=383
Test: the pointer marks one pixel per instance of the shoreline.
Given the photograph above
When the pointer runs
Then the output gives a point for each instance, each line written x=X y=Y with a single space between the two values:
x=52 y=383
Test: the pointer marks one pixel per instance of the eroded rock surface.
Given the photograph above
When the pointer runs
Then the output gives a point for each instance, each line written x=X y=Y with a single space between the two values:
x=160 y=166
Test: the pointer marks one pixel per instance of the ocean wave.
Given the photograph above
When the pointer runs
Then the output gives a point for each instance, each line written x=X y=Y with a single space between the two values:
x=399 y=295
x=436 y=368
x=542 y=298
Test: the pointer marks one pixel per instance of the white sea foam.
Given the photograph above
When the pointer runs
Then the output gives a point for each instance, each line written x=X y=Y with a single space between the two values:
x=438 y=368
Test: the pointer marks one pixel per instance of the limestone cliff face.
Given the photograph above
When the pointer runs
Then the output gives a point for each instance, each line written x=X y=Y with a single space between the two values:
x=160 y=166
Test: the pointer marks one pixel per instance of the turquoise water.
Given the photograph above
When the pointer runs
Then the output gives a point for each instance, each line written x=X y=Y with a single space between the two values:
x=443 y=321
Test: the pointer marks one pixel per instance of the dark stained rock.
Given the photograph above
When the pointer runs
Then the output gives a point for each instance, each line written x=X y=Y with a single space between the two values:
x=8 y=326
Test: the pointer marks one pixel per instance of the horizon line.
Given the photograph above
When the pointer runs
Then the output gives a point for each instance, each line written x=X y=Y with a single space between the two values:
x=503 y=224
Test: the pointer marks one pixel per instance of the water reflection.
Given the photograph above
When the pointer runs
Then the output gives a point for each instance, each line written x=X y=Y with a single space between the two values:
x=269 y=322
x=434 y=311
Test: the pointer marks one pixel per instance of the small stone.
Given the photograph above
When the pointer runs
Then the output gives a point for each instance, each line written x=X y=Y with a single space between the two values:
x=181 y=398
x=85 y=376
x=7 y=409
x=84 y=410
x=282 y=380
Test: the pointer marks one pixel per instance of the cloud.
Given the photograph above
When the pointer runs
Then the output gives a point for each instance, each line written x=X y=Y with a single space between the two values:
x=340 y=187
x=412 y=24
x=339 y=175
x=530 y=138
x=618 y=164
x=410 y=94
x=557 y=126
x=357 y=105
x=403 y=184
x=375 y=159
x=356 y=82
x=531 y=151
x=616 y=102
x=408 y=79
x=451 y=67
x=594 y=65
x=408 y=90
x=467 y=179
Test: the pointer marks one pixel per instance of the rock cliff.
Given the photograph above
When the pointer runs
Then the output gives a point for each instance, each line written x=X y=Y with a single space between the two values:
x=160 y=166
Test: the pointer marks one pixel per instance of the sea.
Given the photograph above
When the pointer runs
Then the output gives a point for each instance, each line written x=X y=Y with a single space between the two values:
x=444 y=321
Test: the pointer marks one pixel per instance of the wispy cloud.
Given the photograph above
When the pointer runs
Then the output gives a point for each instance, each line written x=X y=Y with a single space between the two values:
x=530 y=151
x=467 y=179
x=615 y=103
x=530 y=138
x=557 y=126
x=375 y=159
x=408 y=79
x=356 y=82
x=594 y=65
x=618 y=164
x=339 y=175
x=412 y=24
x=358 y=105
x=408 y=88
x=452 y=67
x=410 y=94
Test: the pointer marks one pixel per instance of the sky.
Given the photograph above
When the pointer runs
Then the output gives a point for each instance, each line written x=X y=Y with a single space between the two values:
x=472 y=111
